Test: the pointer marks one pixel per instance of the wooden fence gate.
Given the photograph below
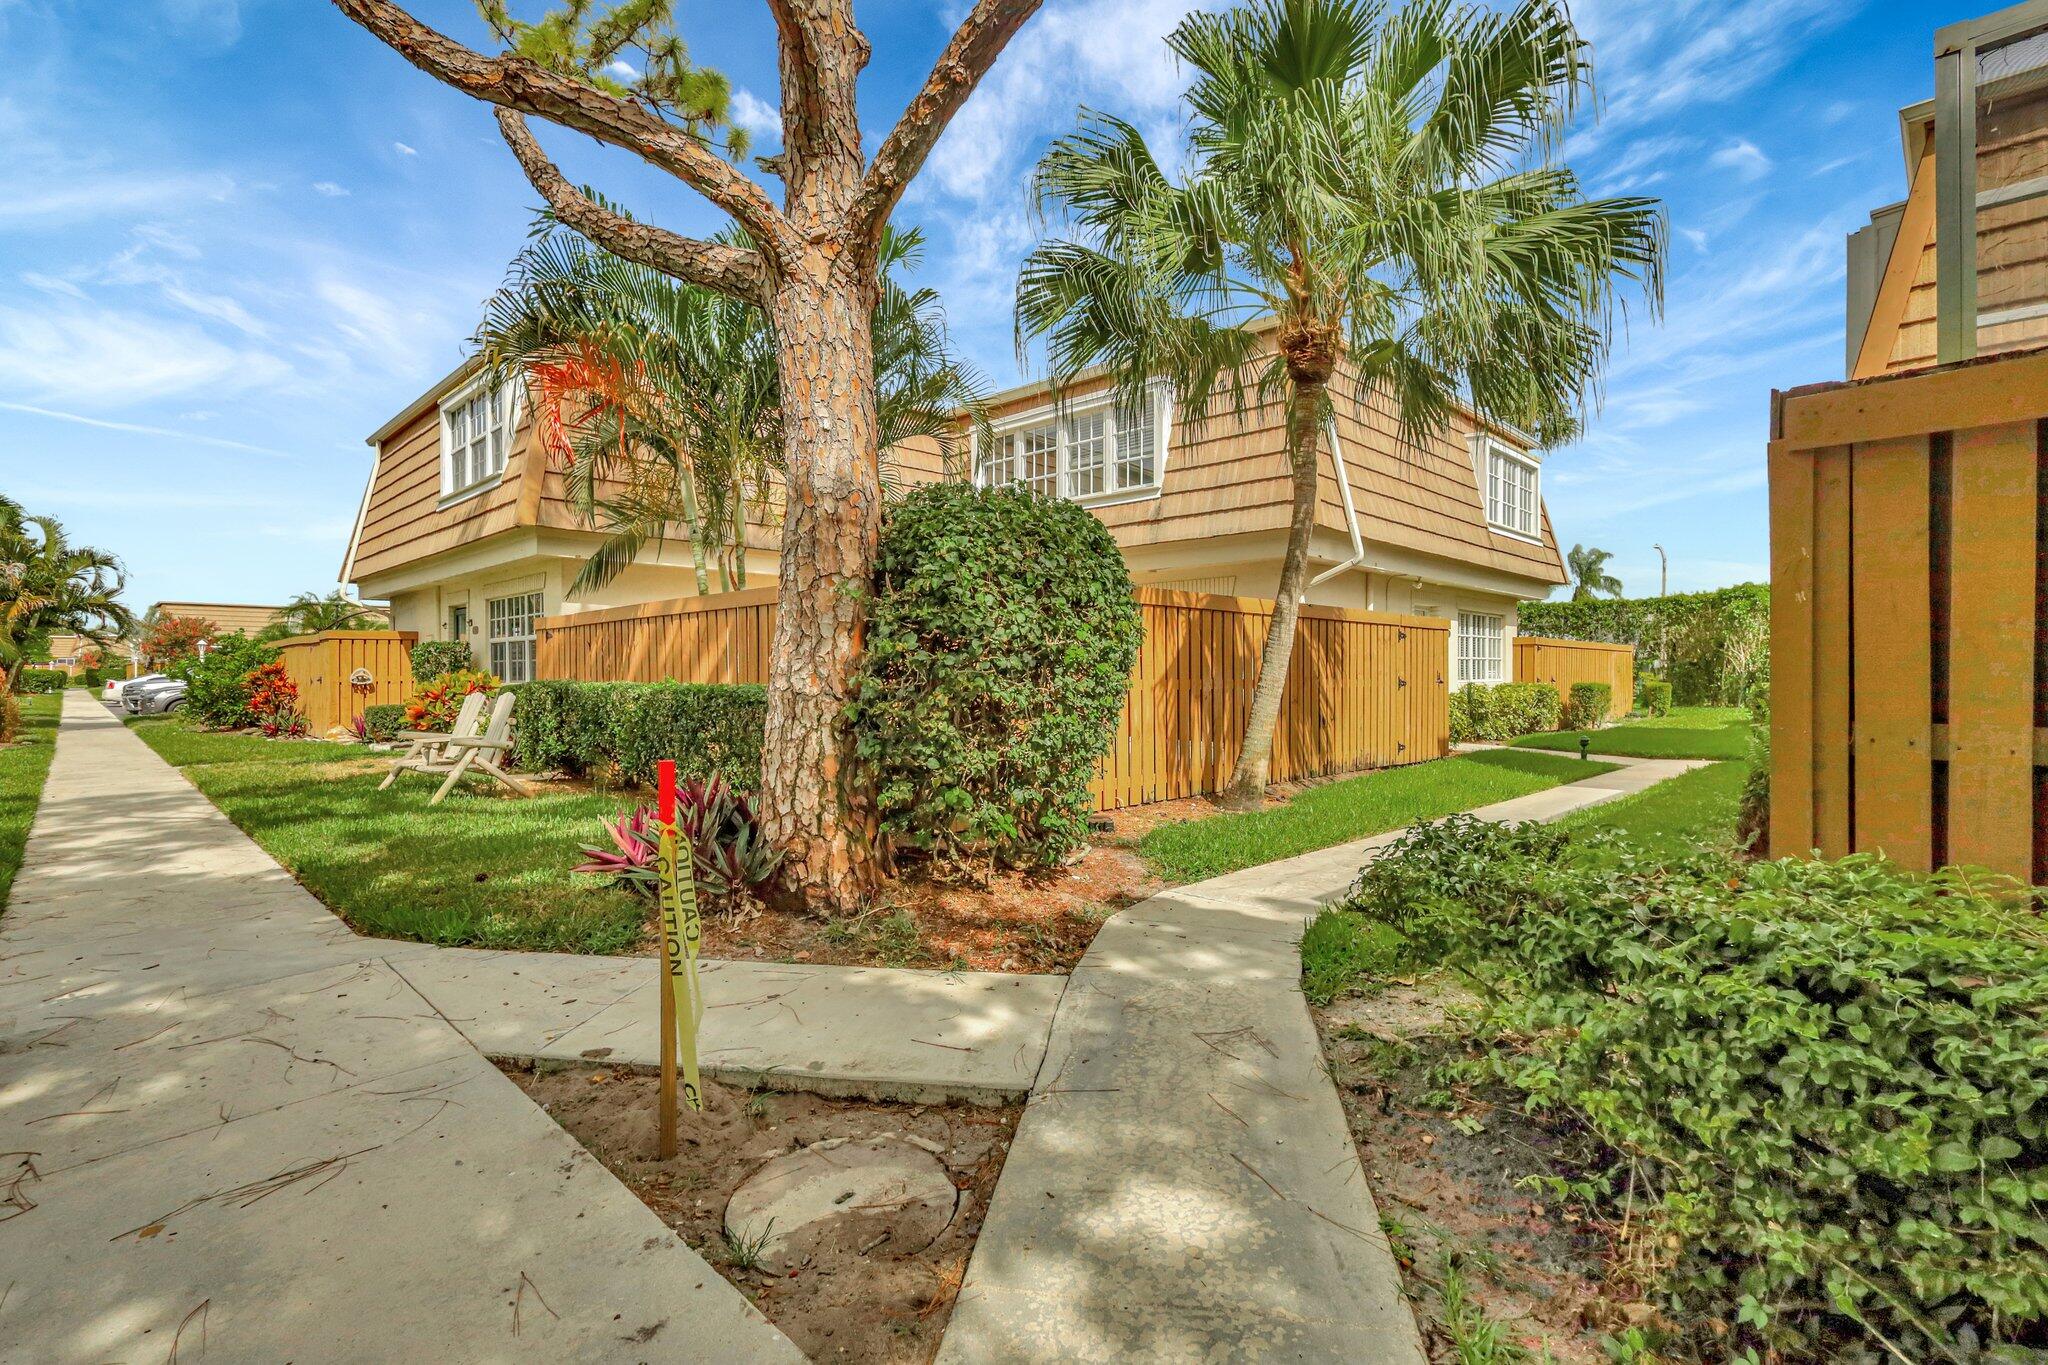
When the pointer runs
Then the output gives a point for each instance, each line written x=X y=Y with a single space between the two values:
x=1907 y=589
x=339 y=672
x=1564 y=662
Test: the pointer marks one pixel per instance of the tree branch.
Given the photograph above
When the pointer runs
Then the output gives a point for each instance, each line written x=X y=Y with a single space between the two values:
x=516 y=83
x=977 y=43
x=732 y=270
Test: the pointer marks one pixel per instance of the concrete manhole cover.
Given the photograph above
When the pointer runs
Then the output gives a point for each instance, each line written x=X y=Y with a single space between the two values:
x=880 y=1195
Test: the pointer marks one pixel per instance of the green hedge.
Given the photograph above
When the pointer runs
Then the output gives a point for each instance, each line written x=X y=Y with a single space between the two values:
x=1653 y=697
x=1503 y=711
x=1588 y=705
x=218 y=692
x=617 y=732
x=1717 y=641
x=384 y=721
x=1824 y=1086
x=433 y=658
x=43 y=680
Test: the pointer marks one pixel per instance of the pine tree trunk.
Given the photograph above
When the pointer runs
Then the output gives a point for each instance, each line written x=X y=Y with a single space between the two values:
x=1255 y=760
x=832 y=520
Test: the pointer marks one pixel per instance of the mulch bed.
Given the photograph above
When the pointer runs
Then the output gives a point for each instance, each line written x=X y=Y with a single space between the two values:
x=843 y=1303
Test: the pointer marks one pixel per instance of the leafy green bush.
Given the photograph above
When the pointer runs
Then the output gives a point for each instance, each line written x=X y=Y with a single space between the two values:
x=1503 y=711
x=383 y=721
x=617 y=732
x=1587 y=707
x=219 y=690
x=434 y=658
x=1825 y=1085
x=1753 y=816
x=1653 y=697
x=43 y=680
x=1716 y=641
x=999 y=647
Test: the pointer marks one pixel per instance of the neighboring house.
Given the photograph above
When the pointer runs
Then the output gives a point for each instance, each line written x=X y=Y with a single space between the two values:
x=465 y=529
x=66 y=650
x=229 y=616
x=1960 y=266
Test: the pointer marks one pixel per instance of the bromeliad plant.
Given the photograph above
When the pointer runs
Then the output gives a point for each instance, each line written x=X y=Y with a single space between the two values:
x=730 y=857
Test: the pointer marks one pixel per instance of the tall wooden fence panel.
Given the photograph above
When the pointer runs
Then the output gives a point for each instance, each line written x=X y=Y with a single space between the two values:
x=1564 y=662
x=1364 y=690
x=722 y=638
x=339 y=672
x=1908 y=587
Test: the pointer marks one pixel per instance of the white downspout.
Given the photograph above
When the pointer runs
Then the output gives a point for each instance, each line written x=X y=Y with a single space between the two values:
x=1350 y=512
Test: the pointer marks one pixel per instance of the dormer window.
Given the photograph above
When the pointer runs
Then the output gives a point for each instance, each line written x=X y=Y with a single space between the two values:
x=1509 y=480
x=1088 y=450
x=476 y=435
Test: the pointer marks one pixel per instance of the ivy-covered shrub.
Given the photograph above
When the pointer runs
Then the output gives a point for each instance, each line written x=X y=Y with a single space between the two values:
x=438 y=700
x=383 y=721
x=1753 y=813
x=1717 y=642
x=999 y=647
x=433 y=658
x=218 y=690
x=1653 y=696
x=1587 y=706
x=41 y=680
x=1502 y=711
x=1824 y=1085
x=618 y=732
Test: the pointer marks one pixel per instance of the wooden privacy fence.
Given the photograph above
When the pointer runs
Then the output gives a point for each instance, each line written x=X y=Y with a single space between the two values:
x=339 y=672
x=1564 y=662
x=1365 y=690
x=1908 y=587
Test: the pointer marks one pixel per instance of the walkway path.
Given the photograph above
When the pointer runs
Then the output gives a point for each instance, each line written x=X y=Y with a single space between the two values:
x=1183 y=1185
x=228 y=1121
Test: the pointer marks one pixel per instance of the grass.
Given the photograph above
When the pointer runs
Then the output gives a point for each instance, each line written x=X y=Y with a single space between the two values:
x=1675 y=817
x=1353 y=809
x=23 y=766
x=1688 y=732
x=480 y=869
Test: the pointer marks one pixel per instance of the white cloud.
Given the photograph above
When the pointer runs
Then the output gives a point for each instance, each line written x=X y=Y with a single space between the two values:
x=755 y=114
x=30 y=195
x=330 y=189
x=50 y=284
x=80 y=355
x=623 y=70
x=404 y=150
x=1744 y=158
x=1658 y=59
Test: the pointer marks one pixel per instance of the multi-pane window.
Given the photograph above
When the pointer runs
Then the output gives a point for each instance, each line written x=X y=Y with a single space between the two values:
x=476 y=436
x=1092 y=453
x=511 y=621
x=1511 y=501
x=1482 y=647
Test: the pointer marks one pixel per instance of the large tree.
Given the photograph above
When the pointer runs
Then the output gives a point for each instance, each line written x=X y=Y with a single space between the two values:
x=809 y=263
x=1590 y=578
x=48 y=584
x=1360 y=183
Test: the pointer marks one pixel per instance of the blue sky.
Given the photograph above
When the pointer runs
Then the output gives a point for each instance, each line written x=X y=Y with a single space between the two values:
x=235 y=235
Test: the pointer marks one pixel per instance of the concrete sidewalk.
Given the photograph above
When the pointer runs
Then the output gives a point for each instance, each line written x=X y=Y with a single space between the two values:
x=232 y=1130
x=1183 y=1185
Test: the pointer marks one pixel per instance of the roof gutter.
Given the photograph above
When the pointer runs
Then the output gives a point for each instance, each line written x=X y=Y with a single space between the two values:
x=1350 y=512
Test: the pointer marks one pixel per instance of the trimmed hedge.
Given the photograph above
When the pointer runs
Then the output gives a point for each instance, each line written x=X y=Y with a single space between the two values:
x=434 y=658
x=1503 y=711
x=1718 y=641
x=1588 y=705
x=43 y=680
x=384 y=721
x=617 y=732
x=1653 y=697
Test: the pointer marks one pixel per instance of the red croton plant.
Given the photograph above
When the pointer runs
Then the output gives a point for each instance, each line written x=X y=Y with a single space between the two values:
x=436 y=704
x=274 y=702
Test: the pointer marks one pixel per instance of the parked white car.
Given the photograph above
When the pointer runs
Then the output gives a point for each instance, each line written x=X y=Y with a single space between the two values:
x=114 y=687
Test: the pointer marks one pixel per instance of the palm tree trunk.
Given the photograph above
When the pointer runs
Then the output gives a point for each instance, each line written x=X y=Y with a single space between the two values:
x=1255 y=760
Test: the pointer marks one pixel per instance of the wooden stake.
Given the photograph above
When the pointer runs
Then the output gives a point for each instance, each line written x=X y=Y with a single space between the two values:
x=667 y=1141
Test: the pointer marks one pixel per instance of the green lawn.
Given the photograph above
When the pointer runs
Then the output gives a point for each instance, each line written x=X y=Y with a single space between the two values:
x=481 y=868
x=1673 y=818
x=23 y=766
x=1688 y=732
x=1353 y=809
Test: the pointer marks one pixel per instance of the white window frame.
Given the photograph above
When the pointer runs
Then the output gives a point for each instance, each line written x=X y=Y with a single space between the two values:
x=499 y=631
x=1505 y=507
x=478 y=461
x=1090 y=469
x=1482 y=647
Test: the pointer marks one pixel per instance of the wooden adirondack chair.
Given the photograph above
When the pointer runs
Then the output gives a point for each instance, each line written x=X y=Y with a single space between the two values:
x=424 y=745
x=480 y=754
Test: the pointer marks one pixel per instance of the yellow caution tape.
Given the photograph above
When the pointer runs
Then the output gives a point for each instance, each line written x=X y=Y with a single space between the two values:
x=682 y=934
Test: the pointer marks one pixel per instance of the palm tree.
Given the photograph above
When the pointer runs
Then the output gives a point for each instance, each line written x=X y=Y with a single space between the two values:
x=1374 y=192
x=310 y=613
x=664 y=401
x=1589 y=572
x=48 y=584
